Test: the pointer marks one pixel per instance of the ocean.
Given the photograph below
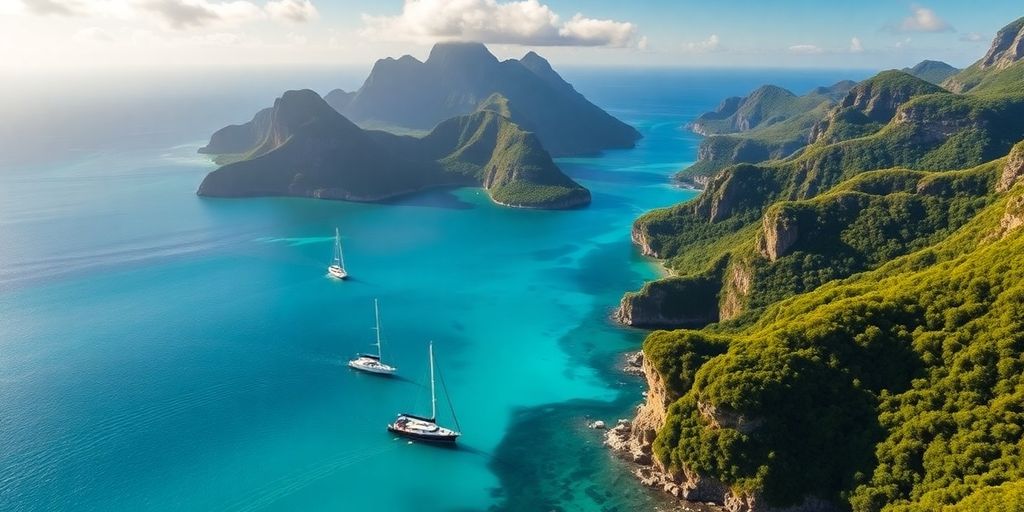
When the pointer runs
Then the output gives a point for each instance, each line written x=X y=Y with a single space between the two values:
x=162 y=351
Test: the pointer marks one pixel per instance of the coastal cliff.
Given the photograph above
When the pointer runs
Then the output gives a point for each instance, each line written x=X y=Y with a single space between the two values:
x=866 y=291
x=634 y=440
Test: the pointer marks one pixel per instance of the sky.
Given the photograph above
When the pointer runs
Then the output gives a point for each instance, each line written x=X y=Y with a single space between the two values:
x=865 y=34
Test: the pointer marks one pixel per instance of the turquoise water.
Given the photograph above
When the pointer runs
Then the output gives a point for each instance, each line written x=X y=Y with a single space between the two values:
x=161 y=351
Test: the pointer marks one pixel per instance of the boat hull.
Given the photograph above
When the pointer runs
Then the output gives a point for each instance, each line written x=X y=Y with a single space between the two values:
x=337 y=272
x=371 y=369
x=429 y=438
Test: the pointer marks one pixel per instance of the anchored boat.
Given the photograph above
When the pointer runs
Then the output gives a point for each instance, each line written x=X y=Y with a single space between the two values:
x=337 y=267
x=369 y=362
x=427 y=429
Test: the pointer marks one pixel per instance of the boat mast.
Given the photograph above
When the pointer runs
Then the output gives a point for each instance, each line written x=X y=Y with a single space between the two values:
x=339 y=258
x=376 y=314
x=433 y=397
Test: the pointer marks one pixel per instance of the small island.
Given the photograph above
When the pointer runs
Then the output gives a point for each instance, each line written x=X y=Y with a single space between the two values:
x=303 y=147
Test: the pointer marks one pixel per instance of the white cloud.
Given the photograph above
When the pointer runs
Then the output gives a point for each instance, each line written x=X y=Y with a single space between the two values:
x=526 y=22
x=923 y=19
x=973 y=37
x=711 y=44
x=806 y=49
x=298 y=11
x=93 y=35
x=580 y=31
x=55 y=7
x=856 y=46
x=179 y=14
x=183 y=14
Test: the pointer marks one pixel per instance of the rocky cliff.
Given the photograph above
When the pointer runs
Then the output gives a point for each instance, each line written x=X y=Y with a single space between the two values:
x=633 y=441
x=1005 y=52
x=1013 y=169
x=671 y=302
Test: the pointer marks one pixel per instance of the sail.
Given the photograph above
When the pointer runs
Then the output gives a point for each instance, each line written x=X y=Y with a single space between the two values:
x=339 y=258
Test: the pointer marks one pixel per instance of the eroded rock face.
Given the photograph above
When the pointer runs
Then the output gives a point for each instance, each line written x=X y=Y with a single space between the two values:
x=1013 y=170
x=640 y=238
x=1007 y=48
x=744 y=502
x=737 y=287
x=1013 y=217
x=633 y=440
x=778 y=234
x=723 y=417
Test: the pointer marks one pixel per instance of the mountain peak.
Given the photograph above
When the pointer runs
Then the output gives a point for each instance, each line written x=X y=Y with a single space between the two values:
x=1007 y=47
x=460 y=53
x=934 y=71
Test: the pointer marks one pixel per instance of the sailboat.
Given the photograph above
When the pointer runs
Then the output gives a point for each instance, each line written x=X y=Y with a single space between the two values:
x=337 y=268
x=426 y=429
x=370 y=362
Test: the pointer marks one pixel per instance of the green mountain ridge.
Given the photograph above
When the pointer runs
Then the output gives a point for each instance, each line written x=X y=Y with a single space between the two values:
x=406 y=94
x=861 y=331
x=770 y=123
x=303 y=147
x=934 y=71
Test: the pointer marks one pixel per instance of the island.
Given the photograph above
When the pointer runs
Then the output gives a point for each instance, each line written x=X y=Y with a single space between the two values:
x=407 y=95
x=847 y=319
x=303 y=147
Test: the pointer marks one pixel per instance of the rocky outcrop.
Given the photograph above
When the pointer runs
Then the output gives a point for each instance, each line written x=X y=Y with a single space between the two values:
x=735 y=190
x=633 y=441
x=1013 y=169
x=779 y=233
x=640 y=237
x=671 y=302
x=718 y=416
x=738 y=278
x=744 y=502
x=1013 y=216
x=1007 y=48
x=869 y=105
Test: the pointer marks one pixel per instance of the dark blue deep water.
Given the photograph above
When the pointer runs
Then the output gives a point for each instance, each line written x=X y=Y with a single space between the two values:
x=161 y=351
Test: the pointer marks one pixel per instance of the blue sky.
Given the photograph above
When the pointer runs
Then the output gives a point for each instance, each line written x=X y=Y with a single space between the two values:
x=872 y=34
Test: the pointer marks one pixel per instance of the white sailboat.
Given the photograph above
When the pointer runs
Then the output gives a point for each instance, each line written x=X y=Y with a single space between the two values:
x=426 y=429
x=337 y=267
x=369 y=362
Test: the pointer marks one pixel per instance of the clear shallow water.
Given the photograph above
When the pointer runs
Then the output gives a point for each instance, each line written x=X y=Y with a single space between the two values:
x=161 y=351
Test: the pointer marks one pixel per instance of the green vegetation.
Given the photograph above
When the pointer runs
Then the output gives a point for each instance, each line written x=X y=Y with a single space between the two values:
x=870 y=343
x=771 y=123
x=933 y=71
x=306 y=148
x=889 y=389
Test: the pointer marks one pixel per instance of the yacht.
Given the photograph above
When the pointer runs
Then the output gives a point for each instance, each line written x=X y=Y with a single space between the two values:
x=372 y=363
x=423 y=428
x=337 y=267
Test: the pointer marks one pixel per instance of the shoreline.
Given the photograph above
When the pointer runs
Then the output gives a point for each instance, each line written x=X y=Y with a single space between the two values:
x=632 y=441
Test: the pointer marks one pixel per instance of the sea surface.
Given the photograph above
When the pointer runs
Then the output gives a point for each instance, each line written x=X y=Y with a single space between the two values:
x=162 y=351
